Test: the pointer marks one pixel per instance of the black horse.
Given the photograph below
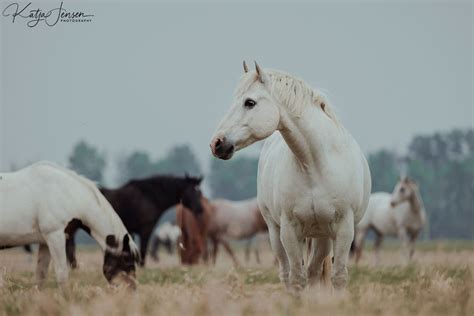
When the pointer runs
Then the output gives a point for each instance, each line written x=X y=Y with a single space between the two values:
x=140 y=204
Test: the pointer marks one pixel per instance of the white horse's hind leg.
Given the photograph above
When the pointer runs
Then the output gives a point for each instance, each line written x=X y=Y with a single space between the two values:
x=293 y=249
x=257 y=249
x=42 y=265
x=248 y=248
x=56 y=242
x=342 y=246
x=359 y=242
x=319 y=251
x=377 y=245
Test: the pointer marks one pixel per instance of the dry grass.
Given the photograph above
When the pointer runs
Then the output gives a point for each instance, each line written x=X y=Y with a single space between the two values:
x=439 y=282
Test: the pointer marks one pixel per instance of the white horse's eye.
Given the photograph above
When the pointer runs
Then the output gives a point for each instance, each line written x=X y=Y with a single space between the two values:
x=249 y=103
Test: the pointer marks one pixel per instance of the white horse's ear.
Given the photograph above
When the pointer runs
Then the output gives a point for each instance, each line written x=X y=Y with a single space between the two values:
x=246 y=69
x=260 y=74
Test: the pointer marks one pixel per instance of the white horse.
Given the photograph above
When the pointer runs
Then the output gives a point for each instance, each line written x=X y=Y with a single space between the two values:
x=37 y=205
x=166 y=234
x=313 y=179
x=399 y=214
x=237 y=220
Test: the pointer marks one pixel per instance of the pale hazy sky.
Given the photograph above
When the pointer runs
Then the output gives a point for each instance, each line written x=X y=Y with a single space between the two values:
x=148 y=75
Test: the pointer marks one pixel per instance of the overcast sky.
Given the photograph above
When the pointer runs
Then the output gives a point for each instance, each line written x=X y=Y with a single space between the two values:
x=150 y=75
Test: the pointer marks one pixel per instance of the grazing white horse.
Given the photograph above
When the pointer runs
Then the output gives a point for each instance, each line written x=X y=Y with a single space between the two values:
x=399 y=214
x=313 y=179
x=39 y=202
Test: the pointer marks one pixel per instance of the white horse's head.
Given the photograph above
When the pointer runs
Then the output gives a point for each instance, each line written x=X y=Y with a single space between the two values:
x=119 y=260
x=253 y=116
x=404 y=190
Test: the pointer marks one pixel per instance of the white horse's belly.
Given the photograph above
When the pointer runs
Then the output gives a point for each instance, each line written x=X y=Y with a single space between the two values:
x=20 y=239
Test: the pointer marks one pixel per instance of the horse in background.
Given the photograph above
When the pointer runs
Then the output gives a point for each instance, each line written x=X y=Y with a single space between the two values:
x=194 y=231
x=255 y=242
x=38 y=205
x=140 y=204
x=236 y=220
x=166 y=234
x=401 y=214
x=313 y=179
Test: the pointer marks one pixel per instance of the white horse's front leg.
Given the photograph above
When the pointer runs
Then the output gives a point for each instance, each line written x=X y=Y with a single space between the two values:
x=42 y=265
x=342 y=246
x=412 y=241
x=292 y=245
x=403 y=235
x=56 y=242
x=279 y=251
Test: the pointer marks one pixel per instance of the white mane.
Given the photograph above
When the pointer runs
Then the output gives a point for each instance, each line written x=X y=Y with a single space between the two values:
x=290 y=91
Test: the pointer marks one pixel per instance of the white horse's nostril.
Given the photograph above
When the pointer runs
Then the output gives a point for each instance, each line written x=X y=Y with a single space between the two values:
x=216 y=144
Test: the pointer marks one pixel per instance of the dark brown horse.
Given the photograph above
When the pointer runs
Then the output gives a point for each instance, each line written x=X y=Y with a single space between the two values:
x=140 y=204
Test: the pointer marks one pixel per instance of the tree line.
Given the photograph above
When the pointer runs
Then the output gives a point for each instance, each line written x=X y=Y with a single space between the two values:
x=441 y=163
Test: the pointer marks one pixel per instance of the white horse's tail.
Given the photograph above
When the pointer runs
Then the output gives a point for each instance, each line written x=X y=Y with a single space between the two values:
x=327 y=264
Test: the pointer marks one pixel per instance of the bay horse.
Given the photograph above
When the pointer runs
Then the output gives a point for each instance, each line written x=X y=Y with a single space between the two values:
x=313 y=179
x=140 y=204
x=401 y=214
x=237 y=220
x=40 y=202
x=193 y=240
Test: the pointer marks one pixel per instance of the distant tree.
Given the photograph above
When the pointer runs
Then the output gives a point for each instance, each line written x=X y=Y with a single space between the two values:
x=179 y=160
x=87 y=161
x=384 y=170
x=443 y=164
x=235 y=179
x=136 y=165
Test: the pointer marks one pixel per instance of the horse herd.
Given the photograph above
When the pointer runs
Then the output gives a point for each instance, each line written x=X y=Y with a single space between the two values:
x=313 y=187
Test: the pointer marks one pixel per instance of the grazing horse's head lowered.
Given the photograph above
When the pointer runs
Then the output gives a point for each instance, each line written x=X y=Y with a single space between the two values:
x=404 y=191
x=254 y=115
x=119 y=261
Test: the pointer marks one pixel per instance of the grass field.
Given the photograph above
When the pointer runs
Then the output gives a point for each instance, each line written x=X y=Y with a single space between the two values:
x=439 y=282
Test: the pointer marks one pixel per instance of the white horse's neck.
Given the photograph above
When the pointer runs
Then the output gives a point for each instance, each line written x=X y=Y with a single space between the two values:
x=307 y=135
x=105 y=223
x=416 y=203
